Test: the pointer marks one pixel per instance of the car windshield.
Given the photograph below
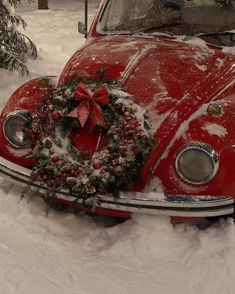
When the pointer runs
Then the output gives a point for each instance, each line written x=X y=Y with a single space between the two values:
x=213 y=20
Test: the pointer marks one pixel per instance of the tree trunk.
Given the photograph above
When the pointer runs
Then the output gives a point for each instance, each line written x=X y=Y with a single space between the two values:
x=42 y=4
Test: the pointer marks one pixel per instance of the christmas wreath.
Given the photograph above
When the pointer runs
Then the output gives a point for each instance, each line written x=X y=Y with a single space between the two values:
x=99 y=107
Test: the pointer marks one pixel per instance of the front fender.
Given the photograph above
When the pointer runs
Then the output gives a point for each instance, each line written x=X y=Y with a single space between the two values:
x=27 y=97
x=216 y=130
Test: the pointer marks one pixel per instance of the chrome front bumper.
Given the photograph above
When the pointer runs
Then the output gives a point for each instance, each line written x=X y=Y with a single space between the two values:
x=172 y=205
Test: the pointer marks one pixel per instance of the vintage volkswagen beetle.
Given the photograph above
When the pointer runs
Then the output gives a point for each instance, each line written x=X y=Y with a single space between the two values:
x=176 y=57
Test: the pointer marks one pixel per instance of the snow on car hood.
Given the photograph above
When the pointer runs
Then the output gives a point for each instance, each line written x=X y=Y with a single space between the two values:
x=171 y=79
x=159 y=72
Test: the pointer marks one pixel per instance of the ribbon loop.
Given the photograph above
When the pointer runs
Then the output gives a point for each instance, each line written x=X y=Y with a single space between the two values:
x=89 y=109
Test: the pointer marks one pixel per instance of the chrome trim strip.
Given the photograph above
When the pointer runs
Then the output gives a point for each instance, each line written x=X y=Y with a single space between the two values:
x=172 y=205
x=202 y=147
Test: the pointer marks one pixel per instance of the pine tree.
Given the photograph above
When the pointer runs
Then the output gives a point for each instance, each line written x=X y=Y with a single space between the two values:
x=14 y=45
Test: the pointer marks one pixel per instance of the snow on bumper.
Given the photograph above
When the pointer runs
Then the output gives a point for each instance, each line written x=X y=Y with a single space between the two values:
x=187 y=206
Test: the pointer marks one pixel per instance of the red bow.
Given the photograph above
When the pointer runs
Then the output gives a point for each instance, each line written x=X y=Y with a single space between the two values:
x=89 y=107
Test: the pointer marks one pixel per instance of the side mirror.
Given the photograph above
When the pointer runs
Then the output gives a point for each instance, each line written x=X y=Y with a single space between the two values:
x=82 y=28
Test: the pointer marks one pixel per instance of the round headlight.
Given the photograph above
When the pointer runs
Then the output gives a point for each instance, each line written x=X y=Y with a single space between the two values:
x=197 y=163
x=13 y=128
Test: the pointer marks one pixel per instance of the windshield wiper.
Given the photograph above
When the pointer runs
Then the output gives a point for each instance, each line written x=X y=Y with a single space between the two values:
x=145 y=30
x=187 y=38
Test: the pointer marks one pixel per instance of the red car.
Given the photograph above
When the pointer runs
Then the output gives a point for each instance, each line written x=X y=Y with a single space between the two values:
x=142 y=117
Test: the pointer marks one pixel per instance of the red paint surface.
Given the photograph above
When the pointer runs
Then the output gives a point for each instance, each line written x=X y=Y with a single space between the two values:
x=87 y=140
x=172 y=80
x=27 y=97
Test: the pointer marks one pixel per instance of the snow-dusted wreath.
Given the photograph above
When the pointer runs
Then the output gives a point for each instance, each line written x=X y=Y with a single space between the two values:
x=101 y=107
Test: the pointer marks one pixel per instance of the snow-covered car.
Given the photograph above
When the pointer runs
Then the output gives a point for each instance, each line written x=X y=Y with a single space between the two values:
x=142 y=118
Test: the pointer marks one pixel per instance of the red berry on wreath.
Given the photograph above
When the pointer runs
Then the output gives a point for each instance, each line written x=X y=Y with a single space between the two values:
x=117 y=130
x=131 y=132
x=141 y=135
x=74 y=174
x=64 y=175
x=114 y=163
x=97 y=165
x=130 y=142
x=56 y=115
x=55 y=158
x=136 y=150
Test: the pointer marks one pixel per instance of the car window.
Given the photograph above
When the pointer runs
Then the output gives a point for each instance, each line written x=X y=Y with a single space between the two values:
x=176 y=17
x=118 y=15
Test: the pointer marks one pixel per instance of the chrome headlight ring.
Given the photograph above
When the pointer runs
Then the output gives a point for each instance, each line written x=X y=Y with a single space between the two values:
x=12 y=129
x=197 y=163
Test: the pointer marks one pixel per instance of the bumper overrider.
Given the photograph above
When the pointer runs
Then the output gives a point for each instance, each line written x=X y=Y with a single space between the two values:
x=172 y=205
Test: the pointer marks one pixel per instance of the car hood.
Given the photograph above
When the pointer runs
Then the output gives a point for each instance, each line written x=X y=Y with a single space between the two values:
x=170 y=78
x=155 y=70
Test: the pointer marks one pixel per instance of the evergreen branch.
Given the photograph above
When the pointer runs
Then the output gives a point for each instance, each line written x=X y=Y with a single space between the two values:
x=32 y=50
x=11 y=61
x=14 y=46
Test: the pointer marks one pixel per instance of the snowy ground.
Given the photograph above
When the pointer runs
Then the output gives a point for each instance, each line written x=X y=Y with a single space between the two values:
x=68 y=254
